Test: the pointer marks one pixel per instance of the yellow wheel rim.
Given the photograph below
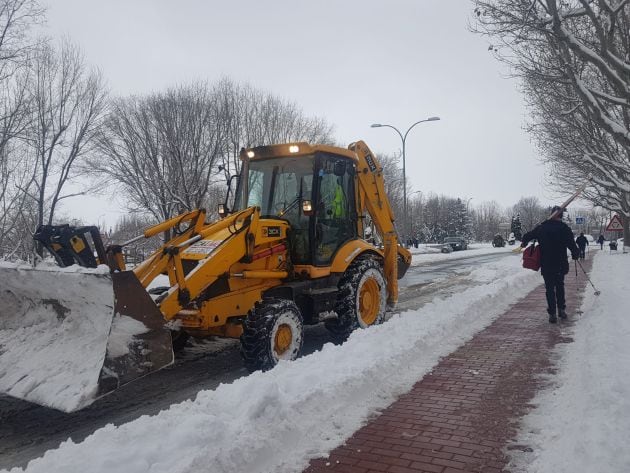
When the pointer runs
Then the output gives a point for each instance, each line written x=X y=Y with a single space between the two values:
x=369 y=301
x=283 y=339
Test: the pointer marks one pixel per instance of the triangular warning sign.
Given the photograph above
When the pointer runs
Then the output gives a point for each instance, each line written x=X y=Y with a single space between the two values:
x=615 y=225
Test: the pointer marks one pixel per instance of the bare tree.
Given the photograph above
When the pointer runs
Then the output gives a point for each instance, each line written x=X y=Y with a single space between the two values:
x=597 y=219
x=16 y=45
x=68 y=103
x=254 y=117
x=16 y=19
x=573 y=55
x=392 y=174
x=486 y=219
x=531 y=212
x=161 y=149
x=128 y=227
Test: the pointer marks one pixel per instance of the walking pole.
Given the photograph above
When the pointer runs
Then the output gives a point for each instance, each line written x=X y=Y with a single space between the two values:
x=597 y=293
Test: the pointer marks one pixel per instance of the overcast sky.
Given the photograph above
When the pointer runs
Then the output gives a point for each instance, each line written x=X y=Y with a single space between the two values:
x=352 y=62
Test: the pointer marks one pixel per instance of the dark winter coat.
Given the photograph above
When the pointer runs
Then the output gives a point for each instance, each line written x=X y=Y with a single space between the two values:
x=601 y=239
x=554 y=237
x=581 y=241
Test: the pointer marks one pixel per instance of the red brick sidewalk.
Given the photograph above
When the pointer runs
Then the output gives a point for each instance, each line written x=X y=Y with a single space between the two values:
x=462 y=416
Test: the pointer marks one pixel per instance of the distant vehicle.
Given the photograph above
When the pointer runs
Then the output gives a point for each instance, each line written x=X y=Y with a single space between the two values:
x=590 y=239
x=446 y=248
x=511 y=239
x=498 y=241
x=456 y=242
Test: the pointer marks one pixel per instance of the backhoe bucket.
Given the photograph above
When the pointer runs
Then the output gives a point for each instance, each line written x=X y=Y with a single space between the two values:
x=68 y=336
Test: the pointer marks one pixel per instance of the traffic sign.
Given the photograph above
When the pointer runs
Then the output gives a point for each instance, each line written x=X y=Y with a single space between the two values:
x=580 y=220
x=615 y=225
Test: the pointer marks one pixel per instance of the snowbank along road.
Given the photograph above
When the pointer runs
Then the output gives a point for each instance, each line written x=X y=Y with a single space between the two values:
x=28 y=430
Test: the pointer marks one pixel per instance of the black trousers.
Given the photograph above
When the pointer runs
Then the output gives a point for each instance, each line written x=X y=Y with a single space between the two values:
x=582 y=252
x=554 y=286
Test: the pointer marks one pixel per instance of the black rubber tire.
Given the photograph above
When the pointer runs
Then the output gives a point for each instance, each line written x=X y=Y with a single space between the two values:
x=347 y=305
x=259 y=332
x=179 y=339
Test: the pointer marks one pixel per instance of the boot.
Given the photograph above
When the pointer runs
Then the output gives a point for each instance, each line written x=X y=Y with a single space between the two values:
x=562 y=313
x=553 y=319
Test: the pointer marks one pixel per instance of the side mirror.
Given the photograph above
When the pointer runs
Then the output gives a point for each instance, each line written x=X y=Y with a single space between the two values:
x=222 y=210
x=307 y=207
x=229 y=202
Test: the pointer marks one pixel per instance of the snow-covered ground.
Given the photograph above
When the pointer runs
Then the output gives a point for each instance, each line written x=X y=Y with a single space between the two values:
x=429 y=253
x=582 y=423
x=277 y=421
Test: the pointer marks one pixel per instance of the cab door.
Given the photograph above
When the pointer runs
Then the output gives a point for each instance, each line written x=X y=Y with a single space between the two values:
x=335 y=216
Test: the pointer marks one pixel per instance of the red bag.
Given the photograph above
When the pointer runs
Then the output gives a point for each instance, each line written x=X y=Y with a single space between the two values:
x=531 y=257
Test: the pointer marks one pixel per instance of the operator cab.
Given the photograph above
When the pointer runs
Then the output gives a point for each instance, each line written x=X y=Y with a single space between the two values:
x=314 y=193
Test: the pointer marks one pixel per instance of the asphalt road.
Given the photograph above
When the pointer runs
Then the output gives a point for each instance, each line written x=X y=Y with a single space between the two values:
x=28 y=430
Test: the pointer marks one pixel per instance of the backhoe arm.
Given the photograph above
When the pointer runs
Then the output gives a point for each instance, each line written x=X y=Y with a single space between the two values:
x=234 y=240
x=374 y=200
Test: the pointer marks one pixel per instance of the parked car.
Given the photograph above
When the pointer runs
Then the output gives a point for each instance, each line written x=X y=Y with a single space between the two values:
x=456 y=242
x=498 y=241
x=511 y=239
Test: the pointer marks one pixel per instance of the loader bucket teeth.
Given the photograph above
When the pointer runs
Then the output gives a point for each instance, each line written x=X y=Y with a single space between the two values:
x=70 y=337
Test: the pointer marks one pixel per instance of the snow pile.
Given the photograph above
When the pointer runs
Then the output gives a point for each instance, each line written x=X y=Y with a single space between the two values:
x=277 y=421
x=424 y=249
x=583 y=423
x=52 y=266
x=54 y=325
x=477 y=249
x=122 y=334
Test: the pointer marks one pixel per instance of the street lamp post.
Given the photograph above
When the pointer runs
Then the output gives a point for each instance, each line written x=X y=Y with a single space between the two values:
x=403 y=137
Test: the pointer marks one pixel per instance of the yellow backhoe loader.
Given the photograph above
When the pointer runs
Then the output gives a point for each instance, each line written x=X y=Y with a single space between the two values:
x=306 y=236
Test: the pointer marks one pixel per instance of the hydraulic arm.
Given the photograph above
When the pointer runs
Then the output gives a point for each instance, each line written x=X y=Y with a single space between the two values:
x=373 y=199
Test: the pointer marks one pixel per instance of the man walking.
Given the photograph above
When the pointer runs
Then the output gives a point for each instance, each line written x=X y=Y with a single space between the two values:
x=582 y=243
x=554 y=237
x=600 y=240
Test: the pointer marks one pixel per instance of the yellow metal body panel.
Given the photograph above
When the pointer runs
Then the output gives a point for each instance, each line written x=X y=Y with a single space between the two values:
x=312 y=272
x=349 y=252
x=244 y=250
x=217 y=311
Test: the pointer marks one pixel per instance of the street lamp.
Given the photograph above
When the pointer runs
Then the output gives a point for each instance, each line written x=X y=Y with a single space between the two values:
x=404 y=140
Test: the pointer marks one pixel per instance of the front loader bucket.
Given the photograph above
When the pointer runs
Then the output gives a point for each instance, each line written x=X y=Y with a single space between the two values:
x=68 y=337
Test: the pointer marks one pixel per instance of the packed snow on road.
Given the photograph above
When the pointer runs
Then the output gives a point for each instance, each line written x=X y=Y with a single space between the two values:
x=278 y=420
x=430 y=253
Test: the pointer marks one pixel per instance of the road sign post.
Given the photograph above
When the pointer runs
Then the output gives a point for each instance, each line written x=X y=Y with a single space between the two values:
x=615 y=225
